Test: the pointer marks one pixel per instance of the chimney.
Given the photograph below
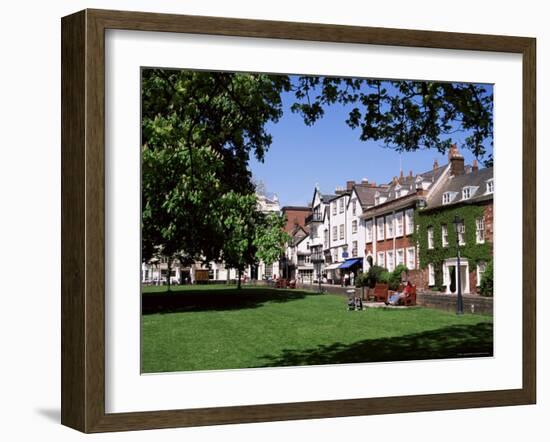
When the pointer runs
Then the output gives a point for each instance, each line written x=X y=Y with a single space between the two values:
x=395 y=180
x=456 y=160
x=410 y=174
x=475 y=167
x=349 y=185
x=365 y=181
x=436 y=165
x=401 y=177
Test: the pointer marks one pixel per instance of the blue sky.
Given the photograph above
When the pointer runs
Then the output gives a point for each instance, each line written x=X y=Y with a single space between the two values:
x=329 y=153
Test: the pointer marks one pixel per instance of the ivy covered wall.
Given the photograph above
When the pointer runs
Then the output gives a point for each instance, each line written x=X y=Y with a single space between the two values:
x=471 y=251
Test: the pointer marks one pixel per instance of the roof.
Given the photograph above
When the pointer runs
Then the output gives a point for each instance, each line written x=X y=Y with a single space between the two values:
x=457 y=183
x=327 y=197
x=407 y=185
x=365 y=194
x=297 y=208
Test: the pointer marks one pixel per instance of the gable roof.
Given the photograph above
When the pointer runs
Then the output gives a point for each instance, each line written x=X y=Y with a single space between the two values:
x=456 y=183
x=365 y=194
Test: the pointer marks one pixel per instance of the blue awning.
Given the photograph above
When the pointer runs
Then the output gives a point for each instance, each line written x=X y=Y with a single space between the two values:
x=350 y=263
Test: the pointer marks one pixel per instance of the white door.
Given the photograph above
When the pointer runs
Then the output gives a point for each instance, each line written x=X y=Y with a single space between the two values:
x=449 y=269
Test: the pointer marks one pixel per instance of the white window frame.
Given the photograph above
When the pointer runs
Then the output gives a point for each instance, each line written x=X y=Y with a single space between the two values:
x=430 y=233
x=381 y=259
x=368 y=231
x=409 y=221
x=399 y=224
x=400 y=261
x=461 y=234
x=389 y=227
x=341 y=232
x=411 y=264
x=448 y=197
x=431 y=275
x=334 y=209
x=354 y=226
x=480 y=230
x=390 y=260
x=479 y=273
x=341 y=205
x=354 y=249
x=380 y=229
x=354 y=207
x=444 y=235
x=334 y=233
x=490 y=187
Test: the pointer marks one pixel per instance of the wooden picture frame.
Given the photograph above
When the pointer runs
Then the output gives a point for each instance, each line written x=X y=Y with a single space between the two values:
x=83 y=216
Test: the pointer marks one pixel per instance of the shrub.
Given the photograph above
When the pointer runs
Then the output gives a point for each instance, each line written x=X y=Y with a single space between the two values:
x=361 y=280
x=394 y=279
x=370 y=278
x=378 y=274
x=486 y=284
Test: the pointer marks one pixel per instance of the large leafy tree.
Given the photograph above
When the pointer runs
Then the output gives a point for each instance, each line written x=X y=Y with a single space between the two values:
x=240 y=226
x=270 y=238
x=404 y=115
x=199 y=130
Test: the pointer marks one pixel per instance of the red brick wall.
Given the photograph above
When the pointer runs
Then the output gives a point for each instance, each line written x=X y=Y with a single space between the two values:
x=419 y=278
x=473 y=281
x=295 y=216
x=400 y=243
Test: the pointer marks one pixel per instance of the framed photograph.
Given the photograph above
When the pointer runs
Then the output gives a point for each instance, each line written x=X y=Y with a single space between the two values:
x=268 y=221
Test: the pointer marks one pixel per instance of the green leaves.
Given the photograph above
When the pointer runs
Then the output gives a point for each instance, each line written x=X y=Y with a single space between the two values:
x=198 y=132
x=472 y=251
x=270 y=238
x=404 y=115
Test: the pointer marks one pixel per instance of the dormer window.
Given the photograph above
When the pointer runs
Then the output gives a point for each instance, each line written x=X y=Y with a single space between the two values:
x=490 y=186
x=448 y=197
x=468 y=192
x=378 y=199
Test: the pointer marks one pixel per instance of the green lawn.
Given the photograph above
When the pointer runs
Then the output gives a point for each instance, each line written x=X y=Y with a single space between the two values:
x=215 y=327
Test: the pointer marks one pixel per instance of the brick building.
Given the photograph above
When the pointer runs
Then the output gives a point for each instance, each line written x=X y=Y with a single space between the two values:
x=467 y=193
x=295 y=216
x=390 y=223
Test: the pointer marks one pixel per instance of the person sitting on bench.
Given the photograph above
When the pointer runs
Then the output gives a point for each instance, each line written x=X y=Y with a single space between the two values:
x=396 y=297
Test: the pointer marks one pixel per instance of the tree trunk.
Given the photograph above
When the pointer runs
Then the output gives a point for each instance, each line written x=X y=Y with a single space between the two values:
x=239 y=279
x=168 y=273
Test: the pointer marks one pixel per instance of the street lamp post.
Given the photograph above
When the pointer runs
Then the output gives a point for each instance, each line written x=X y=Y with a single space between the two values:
x=459 y=303
x=318 y=262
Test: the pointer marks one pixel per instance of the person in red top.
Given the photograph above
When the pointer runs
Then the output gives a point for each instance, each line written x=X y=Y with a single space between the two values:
x=395 y=299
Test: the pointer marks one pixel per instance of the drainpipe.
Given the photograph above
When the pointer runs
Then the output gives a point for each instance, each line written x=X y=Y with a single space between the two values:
x=394 y=233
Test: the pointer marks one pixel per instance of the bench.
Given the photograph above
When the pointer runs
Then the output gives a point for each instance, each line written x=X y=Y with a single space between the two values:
x=410 y=298
x=380 y=292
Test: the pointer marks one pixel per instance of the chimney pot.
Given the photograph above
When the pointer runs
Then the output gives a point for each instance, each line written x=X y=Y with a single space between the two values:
x=456 y=160
x=350 y=184
x=436 y=164
x=410 y=173
x=475 y=166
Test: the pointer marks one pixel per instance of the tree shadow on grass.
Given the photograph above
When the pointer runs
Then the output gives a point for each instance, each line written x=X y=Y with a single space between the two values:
x=457 y=341
x=215 y=300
